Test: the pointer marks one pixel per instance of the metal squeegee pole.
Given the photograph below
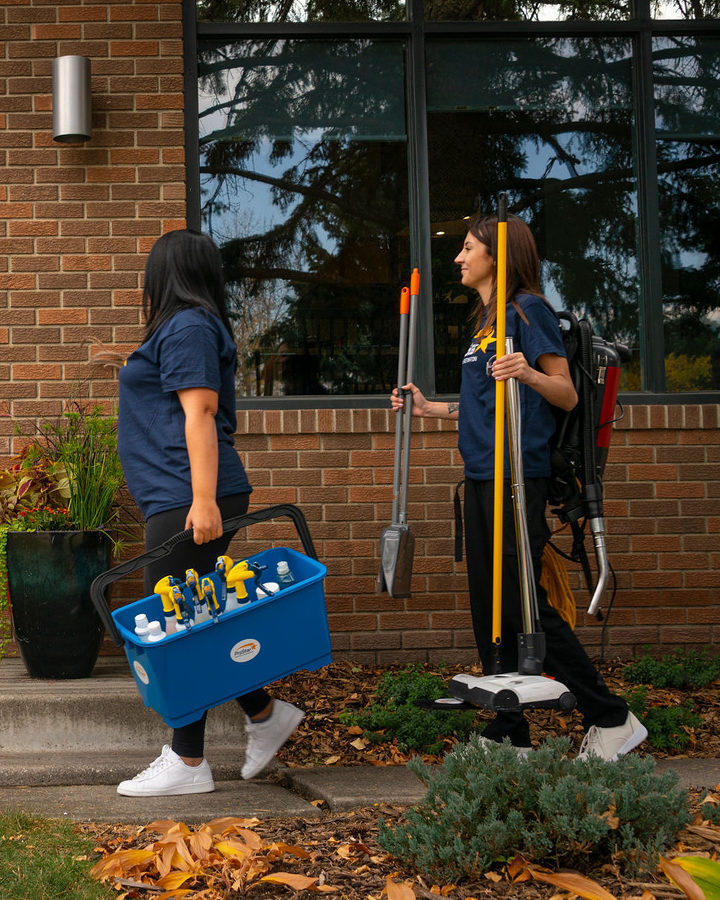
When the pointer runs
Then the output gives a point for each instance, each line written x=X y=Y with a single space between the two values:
x=530 y=613
x=401 y=380
x=409 y=374
x=499 y=469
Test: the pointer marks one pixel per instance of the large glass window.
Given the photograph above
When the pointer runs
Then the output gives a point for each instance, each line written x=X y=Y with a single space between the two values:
x=342 y=141
x=685 y=9
x=549 y=122
x=304 y=186
x=686 y=75
x=300 y=10
x=527 y=10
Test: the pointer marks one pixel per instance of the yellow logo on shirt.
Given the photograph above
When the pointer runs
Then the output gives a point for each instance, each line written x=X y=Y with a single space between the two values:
x=485 y=341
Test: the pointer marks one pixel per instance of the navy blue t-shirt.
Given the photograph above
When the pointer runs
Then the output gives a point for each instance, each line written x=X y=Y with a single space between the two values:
x=191 y=350
x=477 y=393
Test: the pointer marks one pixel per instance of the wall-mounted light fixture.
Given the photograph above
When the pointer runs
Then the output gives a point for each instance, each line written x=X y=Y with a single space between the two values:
x=71 y=99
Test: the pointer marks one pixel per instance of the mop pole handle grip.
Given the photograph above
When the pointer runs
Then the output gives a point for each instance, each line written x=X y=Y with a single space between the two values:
x=415 y=282
x=499 y=470
x=404 y=301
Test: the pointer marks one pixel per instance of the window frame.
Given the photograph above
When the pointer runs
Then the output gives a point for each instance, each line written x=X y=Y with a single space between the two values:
x=641 y=29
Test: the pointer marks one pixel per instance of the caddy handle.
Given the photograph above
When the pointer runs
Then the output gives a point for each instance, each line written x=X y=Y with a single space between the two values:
x=103 y=581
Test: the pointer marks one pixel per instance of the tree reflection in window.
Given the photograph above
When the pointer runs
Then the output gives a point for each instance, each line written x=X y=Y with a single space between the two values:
x=548 y=121
x=686 y=74
x=527 y=10
x=685 y=9
x=303 y=163
x=300 y=10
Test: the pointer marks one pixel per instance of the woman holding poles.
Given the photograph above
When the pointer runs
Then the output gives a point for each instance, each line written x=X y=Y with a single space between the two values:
x=540 y=366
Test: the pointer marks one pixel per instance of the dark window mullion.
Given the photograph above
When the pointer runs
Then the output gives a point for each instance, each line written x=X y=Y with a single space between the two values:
x=419 y=182
x=192 y=115
x=650 y=313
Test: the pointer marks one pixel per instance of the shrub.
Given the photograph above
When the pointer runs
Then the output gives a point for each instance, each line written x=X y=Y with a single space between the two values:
x=667 y=725
x=485 y=803
x=394 y=713
x=679 y=669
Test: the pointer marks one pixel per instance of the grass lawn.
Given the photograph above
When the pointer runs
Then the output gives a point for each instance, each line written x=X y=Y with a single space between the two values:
x=46 y=859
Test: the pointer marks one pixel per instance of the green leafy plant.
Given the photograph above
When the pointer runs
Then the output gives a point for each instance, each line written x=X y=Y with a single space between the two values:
x=667 y=725
x=711 y=812
x=679 y=669
x=395 y=715
x=485 y=804
x=67 y=478
x=84 y=442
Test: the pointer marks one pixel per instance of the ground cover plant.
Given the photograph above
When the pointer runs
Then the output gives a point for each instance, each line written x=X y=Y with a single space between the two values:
x=395 y=716
x=669 y=727
x=679 y=669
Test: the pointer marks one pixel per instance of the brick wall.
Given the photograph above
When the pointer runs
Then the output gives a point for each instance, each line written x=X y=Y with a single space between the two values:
x=76 y=224
x=76 y=220
x=663 y=521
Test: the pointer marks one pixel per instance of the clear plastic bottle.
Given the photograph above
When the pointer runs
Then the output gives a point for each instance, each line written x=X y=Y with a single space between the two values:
x=284 y=576
x=141 y=626
x=155 y=632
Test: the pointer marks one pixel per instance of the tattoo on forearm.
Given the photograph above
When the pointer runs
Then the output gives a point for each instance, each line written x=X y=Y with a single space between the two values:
x=453 y=408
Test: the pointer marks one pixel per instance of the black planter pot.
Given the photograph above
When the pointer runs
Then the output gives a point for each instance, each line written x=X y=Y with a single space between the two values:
x=49 y=573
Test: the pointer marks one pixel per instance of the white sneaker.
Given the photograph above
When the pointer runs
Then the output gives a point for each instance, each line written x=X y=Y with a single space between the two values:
x=264 y=739
x=169 y=775
x=609 y=743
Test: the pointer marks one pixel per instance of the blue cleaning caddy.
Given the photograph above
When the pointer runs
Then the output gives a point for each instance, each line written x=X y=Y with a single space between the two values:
x=270 y=637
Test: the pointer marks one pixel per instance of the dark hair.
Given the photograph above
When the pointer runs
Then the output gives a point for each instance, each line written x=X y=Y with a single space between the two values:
x=183 y=270
x=523 y=264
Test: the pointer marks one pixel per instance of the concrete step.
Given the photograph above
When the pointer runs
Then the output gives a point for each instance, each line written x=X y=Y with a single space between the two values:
x=101 y=714
x=92 y=767
x=289 y=793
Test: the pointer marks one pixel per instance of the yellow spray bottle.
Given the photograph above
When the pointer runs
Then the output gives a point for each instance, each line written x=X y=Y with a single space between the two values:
x=237 y=595
x=165 y=589
x=192 y=580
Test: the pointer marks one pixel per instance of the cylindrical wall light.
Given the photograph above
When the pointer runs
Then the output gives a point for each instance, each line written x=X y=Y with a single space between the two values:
x=71 y=99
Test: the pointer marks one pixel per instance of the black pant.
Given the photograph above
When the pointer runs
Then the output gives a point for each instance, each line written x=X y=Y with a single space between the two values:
x=189 y=740
x=565 y=657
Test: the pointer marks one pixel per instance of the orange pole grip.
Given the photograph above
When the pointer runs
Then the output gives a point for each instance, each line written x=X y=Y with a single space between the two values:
x=404 y=301
x=415 y=282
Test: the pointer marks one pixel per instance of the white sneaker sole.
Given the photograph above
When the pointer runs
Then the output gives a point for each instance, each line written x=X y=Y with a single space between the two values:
x=203 y=787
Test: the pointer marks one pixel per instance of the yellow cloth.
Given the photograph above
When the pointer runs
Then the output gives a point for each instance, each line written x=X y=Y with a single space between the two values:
x=554 y=579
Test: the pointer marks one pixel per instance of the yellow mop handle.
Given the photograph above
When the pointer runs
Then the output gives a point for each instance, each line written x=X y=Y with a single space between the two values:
x=501 y=290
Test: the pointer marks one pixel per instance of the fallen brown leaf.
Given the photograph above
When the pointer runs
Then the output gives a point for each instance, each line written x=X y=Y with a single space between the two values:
x=573 y=882
x=398 y=890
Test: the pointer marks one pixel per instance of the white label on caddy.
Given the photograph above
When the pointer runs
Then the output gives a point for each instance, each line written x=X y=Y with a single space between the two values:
x=141 y=673
x=245 y=650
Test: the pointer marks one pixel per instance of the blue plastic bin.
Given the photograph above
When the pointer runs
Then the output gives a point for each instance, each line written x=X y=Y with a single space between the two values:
x=187 y=673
